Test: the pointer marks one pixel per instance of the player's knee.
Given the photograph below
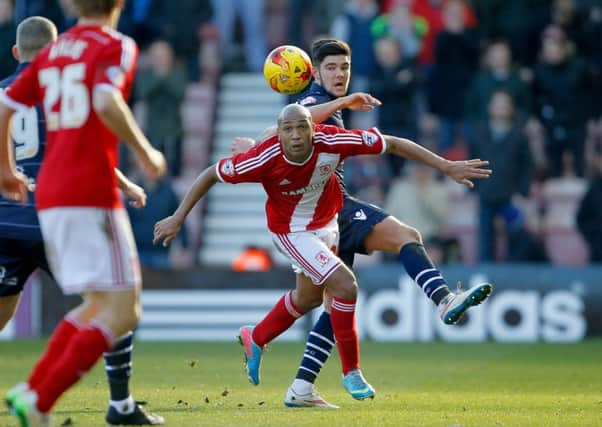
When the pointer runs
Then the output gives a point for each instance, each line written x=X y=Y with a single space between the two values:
x=342 y=284
x=410 y=235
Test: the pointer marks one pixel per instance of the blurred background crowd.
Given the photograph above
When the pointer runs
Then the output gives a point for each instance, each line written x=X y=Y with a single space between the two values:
x=516 y=82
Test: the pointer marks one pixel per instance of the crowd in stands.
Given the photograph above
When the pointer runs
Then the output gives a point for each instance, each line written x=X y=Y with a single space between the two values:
x=516 y=82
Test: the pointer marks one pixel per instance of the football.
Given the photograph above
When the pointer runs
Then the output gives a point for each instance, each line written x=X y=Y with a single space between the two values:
x=287 y=69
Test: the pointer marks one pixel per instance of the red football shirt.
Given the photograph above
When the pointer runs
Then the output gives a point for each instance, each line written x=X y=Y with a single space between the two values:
x=78 y=169
x=301 y=196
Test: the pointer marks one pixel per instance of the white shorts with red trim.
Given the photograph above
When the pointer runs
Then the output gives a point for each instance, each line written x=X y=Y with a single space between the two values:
x=311 y=252
x=90 y=249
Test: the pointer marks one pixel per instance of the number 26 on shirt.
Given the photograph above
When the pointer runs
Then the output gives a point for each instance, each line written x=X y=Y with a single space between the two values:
x=68 y=87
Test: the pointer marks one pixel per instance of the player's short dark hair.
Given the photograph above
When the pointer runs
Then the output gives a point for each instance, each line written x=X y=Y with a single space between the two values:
x=322 y=48
x=94 y=7
x=33 y=34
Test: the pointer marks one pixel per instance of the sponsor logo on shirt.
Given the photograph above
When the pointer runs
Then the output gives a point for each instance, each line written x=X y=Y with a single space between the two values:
x=227 y=168
x=310 y=187
x=369 y=138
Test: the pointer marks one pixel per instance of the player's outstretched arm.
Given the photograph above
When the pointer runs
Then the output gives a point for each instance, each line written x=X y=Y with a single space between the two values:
x=13 y=184
x=117 y=116
x=168 y=228
x=359 y=101
x=131 y=190
x=460 y=171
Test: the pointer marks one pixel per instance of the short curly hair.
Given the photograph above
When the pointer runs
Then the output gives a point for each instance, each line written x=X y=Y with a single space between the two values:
x=322 y=48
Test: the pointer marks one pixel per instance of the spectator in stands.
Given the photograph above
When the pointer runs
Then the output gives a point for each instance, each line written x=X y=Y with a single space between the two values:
x=400 y=24
x=162 y=87
x=307 y=18
x=253 y=258
x=429 y=19
x=251 y=13
x=161 y=201
x=137 y=22
x=518 y=21
x=394 y=83
x=429 y=196
x=7 y=37
x=181 y=24
x=589 y=215
x=354 y=26
x=592 y=50
x=561 y=89
x=565 y=14
x=497 y=73
x=501 y=140
x=456 y=56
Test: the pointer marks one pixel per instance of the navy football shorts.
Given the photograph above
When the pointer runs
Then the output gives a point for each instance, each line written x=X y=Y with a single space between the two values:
x=18 y=259
x=356 y=219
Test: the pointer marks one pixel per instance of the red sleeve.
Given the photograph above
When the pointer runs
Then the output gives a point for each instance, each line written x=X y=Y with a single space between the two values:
x=117 y=65
x=350 y=142
x=250 y=165
x=25 y=91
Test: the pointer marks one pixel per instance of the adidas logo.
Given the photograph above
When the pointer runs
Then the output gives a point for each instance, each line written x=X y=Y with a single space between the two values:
x=284 y=182
x=360 y=215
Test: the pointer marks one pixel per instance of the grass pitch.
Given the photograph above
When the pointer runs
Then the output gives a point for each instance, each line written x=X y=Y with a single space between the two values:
x=417 y=385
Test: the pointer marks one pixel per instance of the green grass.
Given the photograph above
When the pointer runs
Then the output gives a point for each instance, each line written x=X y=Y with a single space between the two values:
x=417 y=385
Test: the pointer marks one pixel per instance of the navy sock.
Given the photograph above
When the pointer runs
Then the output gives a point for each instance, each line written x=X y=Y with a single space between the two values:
x=317 y=350
x=422 y=270
x=118 y=365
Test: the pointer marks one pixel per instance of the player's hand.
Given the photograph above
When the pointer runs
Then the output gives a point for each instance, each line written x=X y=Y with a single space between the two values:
x=166 y=230
x=152 y=163
x=136 y=194
x=242 y=145
x=464 y=171
x=14 y=185
x=360 y=101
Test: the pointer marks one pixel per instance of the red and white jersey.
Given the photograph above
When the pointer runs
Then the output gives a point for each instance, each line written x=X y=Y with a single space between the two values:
x=78 y=169
x=301 y=196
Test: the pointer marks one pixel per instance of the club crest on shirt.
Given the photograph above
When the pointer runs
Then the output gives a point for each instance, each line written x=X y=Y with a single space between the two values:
x=369 y=138
x=322 y=257
x=325 y=169
x=227 y=168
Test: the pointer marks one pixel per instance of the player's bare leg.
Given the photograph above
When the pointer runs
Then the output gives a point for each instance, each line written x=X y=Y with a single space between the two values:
x=393 y=236
x=8 y=307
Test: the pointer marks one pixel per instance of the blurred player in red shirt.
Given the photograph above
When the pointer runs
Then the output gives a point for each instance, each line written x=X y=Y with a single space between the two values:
x=82 y=81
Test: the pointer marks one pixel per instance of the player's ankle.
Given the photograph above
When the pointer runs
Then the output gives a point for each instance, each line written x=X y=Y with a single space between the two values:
x=300 y=386
x=125 y=406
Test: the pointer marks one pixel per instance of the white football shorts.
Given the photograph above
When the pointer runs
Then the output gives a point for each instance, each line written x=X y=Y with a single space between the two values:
x=90 y=249
x=311 y=252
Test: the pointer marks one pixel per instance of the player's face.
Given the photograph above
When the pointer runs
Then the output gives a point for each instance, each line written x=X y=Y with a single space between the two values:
x=296 y=133
x=333 y=74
